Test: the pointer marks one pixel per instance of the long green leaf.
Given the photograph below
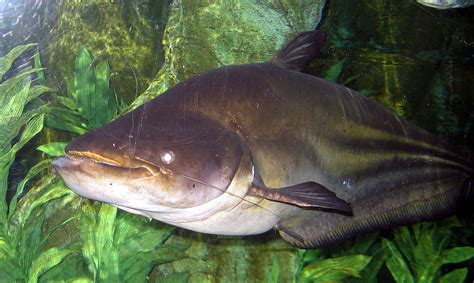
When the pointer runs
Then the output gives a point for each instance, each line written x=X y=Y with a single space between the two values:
x=104 y=100
x=335 y=269
x=98 y=249
x=6 y=62
x=4 y=170
x=33 y=127
x=39 y=66
x=14 y=129
x=335 y=71
x=396 y=264
x=50 y=188
x=84 y=85
x=65 y=120
x=66 y=101
x=45 y=261
x=458 y=254
x=406 y=243
x=458 y=275
x=33 y=172
x=11 y=107
x=53 y=148
x=36 y=91
x=10 y=271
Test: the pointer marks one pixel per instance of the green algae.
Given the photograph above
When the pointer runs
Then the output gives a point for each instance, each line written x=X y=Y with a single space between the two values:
x=128 y=34
x=201 y=35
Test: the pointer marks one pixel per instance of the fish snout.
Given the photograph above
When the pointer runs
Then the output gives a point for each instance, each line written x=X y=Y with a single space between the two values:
x=59 y=164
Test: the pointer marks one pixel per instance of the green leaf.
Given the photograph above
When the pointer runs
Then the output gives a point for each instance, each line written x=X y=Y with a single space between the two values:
x=64 y=126
x=351 y=79
x=13 y=98
x=51 y=189
x=33 y=172
x=396 y=264
x=458 y=275
x=9 y=271
x=66 y=101
x=97 y=232
x=458 y=254
x=406 y=243
x=53 y=148
x=335 y=269
x=275 y=271
x=104 y=100
x=36 y=91
x=81 y=280
x=335 y=71
x=39 y=66
x=65 y=120
x=368 y=92
x=84 y=85
x=370 y=272
x=6 y=62
x=33 y=127
x=45 y=261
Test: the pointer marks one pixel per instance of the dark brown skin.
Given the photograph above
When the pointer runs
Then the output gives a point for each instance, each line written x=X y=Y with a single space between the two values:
x=297 y=128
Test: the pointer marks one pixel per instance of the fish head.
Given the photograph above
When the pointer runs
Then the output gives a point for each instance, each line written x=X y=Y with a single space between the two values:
x=151 y=162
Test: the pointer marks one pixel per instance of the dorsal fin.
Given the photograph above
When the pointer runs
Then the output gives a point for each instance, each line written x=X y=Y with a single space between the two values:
x=301 y=49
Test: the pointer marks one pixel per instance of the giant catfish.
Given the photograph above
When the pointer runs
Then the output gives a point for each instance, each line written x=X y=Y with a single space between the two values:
x=242 y=149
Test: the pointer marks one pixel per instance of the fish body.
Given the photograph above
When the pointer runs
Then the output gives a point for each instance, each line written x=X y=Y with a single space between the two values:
x=243 y=149
x=446 y=4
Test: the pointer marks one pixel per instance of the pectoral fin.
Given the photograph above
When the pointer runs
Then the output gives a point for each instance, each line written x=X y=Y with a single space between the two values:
x=309 y=194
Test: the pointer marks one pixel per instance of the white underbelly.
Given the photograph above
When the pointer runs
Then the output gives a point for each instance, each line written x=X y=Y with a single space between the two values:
x=244 y=219
x=248 y=216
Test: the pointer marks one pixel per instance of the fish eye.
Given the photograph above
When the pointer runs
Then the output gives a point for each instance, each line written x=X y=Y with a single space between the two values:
x=167 y=156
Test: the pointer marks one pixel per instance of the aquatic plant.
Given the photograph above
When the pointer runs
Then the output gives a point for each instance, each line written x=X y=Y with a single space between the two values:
x=127 y=33
x=22 y=243
x=355 y=259
x=419 y=252
x=114 y=247
x=34 y=240
x=123 y=248
x=90 y=101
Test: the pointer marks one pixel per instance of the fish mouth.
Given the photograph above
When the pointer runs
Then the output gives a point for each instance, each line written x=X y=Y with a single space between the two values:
x=76 y=159
x=77 y=155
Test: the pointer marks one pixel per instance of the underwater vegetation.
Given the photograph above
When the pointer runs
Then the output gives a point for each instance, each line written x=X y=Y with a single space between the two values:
x=127 y=247
x=127 y=33
x=22 y=113
x=418 y=253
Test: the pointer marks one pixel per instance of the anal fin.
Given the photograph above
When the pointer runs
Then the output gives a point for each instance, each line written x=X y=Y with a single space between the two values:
x=317 y=229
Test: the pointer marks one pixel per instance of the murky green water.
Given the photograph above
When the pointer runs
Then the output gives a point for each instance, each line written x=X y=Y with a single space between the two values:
x=91 y=60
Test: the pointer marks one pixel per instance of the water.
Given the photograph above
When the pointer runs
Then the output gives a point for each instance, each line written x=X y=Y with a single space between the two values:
x=416 y=61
